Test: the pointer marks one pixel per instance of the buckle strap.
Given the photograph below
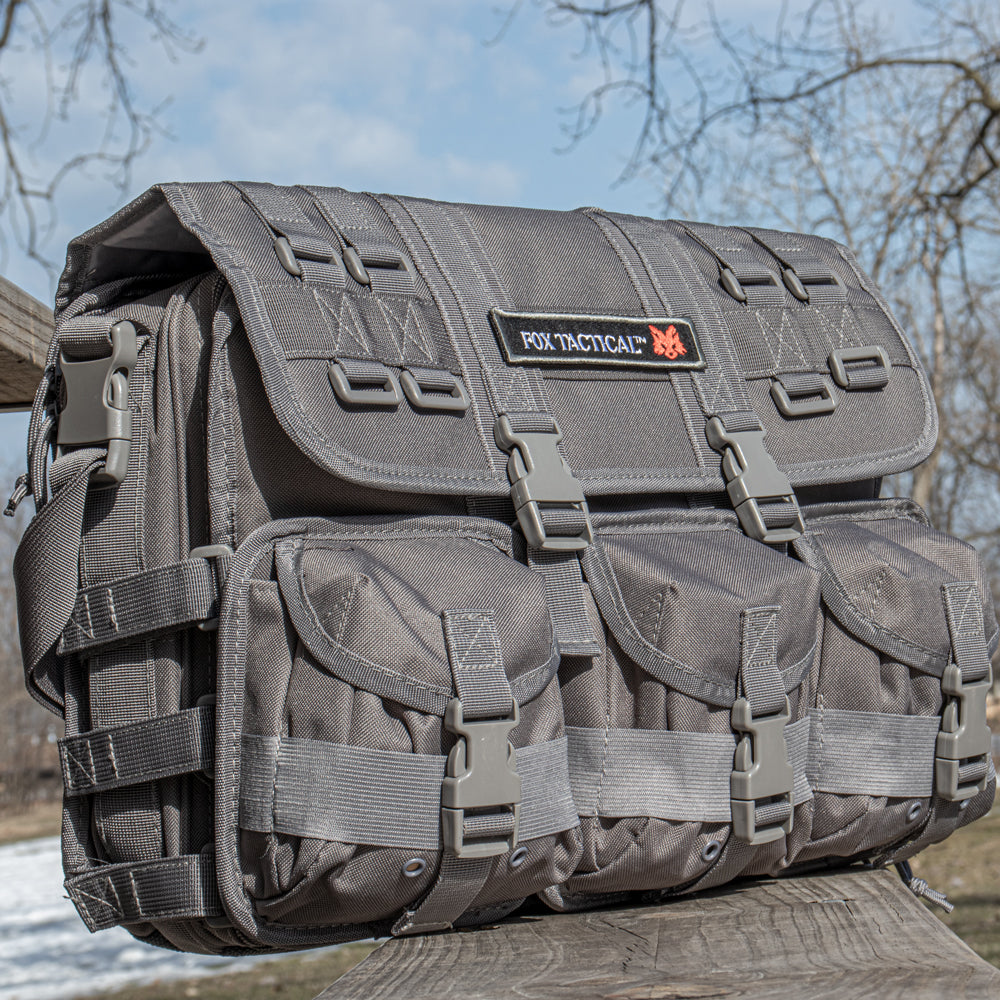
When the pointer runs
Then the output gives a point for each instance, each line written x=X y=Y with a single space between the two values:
x=137 y=752
x=155 y=600
x=96 y=408
x=133 y=892
x=762 y=779
x=760 y=492
x=548 y=499
x=961 y=764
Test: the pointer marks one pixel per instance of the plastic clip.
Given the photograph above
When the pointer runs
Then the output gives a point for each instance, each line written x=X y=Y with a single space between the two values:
x=752 y=479
x=871 y=367
x=541 y=480
x=95 y=403
x=222 y=555
x=481 y=775
x=761 y=772
x=961 y=761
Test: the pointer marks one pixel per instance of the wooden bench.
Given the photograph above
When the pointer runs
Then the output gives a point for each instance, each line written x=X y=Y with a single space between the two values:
x=837 y=936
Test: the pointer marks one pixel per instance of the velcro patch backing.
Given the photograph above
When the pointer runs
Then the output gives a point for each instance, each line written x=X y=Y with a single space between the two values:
x=560 y=339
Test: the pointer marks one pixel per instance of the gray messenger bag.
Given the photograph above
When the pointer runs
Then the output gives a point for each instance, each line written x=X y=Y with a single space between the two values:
x=398 y=564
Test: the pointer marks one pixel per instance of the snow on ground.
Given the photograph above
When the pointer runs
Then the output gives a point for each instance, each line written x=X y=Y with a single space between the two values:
x=46 y=953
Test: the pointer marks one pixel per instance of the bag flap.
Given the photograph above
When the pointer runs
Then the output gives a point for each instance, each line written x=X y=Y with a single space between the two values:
x=391 y=333
x=883 y=572
x=368 y=606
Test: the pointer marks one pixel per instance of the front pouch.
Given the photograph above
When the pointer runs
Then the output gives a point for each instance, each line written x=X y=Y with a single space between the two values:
x=687 y=734
x=899 y=747
x=392 y=755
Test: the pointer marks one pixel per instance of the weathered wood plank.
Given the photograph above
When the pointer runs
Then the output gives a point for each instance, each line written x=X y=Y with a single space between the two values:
x=832 y=936
x=25 y=331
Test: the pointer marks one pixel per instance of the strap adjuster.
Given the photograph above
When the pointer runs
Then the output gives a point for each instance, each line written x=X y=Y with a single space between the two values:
x=762 y=779
x=481 y=784
x=542 y=480
x=222 y=554
x=961 y=761
x=754 y=479
x=95 y=403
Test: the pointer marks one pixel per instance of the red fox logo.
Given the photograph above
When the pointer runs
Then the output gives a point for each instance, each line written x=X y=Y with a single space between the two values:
x=667 y=342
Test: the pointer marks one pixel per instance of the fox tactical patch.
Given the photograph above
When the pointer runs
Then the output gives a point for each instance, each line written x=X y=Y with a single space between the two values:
x=559 y=339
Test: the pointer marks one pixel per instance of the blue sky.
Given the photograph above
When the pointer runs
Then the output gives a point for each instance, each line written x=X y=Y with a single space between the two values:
x=381 y=95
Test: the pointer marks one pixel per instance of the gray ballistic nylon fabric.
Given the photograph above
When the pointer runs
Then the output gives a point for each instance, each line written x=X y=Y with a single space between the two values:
x=258 y=740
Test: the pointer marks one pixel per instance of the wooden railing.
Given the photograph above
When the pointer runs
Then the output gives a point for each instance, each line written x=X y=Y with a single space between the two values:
x=25 y=332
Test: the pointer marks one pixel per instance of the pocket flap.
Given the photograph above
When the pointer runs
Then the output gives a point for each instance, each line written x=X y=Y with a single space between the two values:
x=673 y=597
x=368 y=608
x=883 y=571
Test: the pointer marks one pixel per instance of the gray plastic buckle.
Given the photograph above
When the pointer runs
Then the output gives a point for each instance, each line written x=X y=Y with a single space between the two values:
x=805 y=404
x=95 y=400
x=760 y=771
x=964 y=737
x=752 y=477
x=213 y=552
x=481 y=774
x=425 y=394
x=540 y=479
x=873 y=358
x=383 y=390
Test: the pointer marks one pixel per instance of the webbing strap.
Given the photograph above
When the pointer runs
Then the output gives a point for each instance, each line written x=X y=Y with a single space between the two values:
x=566 y=599
x=485 y=703
x=46 y=572
x=685 y=776
x=381 y=261
x=284 y=216
x=141 y=891
x=758 y=284
x=760 y=678
x=360 y=795
x=665 y=774
x=476 y=664
x=872 y=753
x=154 y=600
x=138 y=752
x=815 y=275
x=668 y=281
x=963 y=605
x=459 y=882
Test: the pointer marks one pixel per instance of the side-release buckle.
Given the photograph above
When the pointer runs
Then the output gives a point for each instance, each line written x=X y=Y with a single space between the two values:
x=94 y=405
x=760 y=786
x=754 y=480
x=961 y=761
x=481 y=794
x=542 y=481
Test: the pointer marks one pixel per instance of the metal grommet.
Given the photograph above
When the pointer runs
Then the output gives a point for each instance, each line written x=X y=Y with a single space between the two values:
x=963 y=805
x=913 y=813
x=711 y=850
x=518 y=857
x=414 y=867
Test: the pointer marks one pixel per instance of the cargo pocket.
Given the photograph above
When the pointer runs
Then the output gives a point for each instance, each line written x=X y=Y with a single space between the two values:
x=899 y=747
x=396 y=753
x=687 y=735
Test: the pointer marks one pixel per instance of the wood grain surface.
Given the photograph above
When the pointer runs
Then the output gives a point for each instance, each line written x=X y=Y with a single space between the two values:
x=832 y=936
x=25 y=331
